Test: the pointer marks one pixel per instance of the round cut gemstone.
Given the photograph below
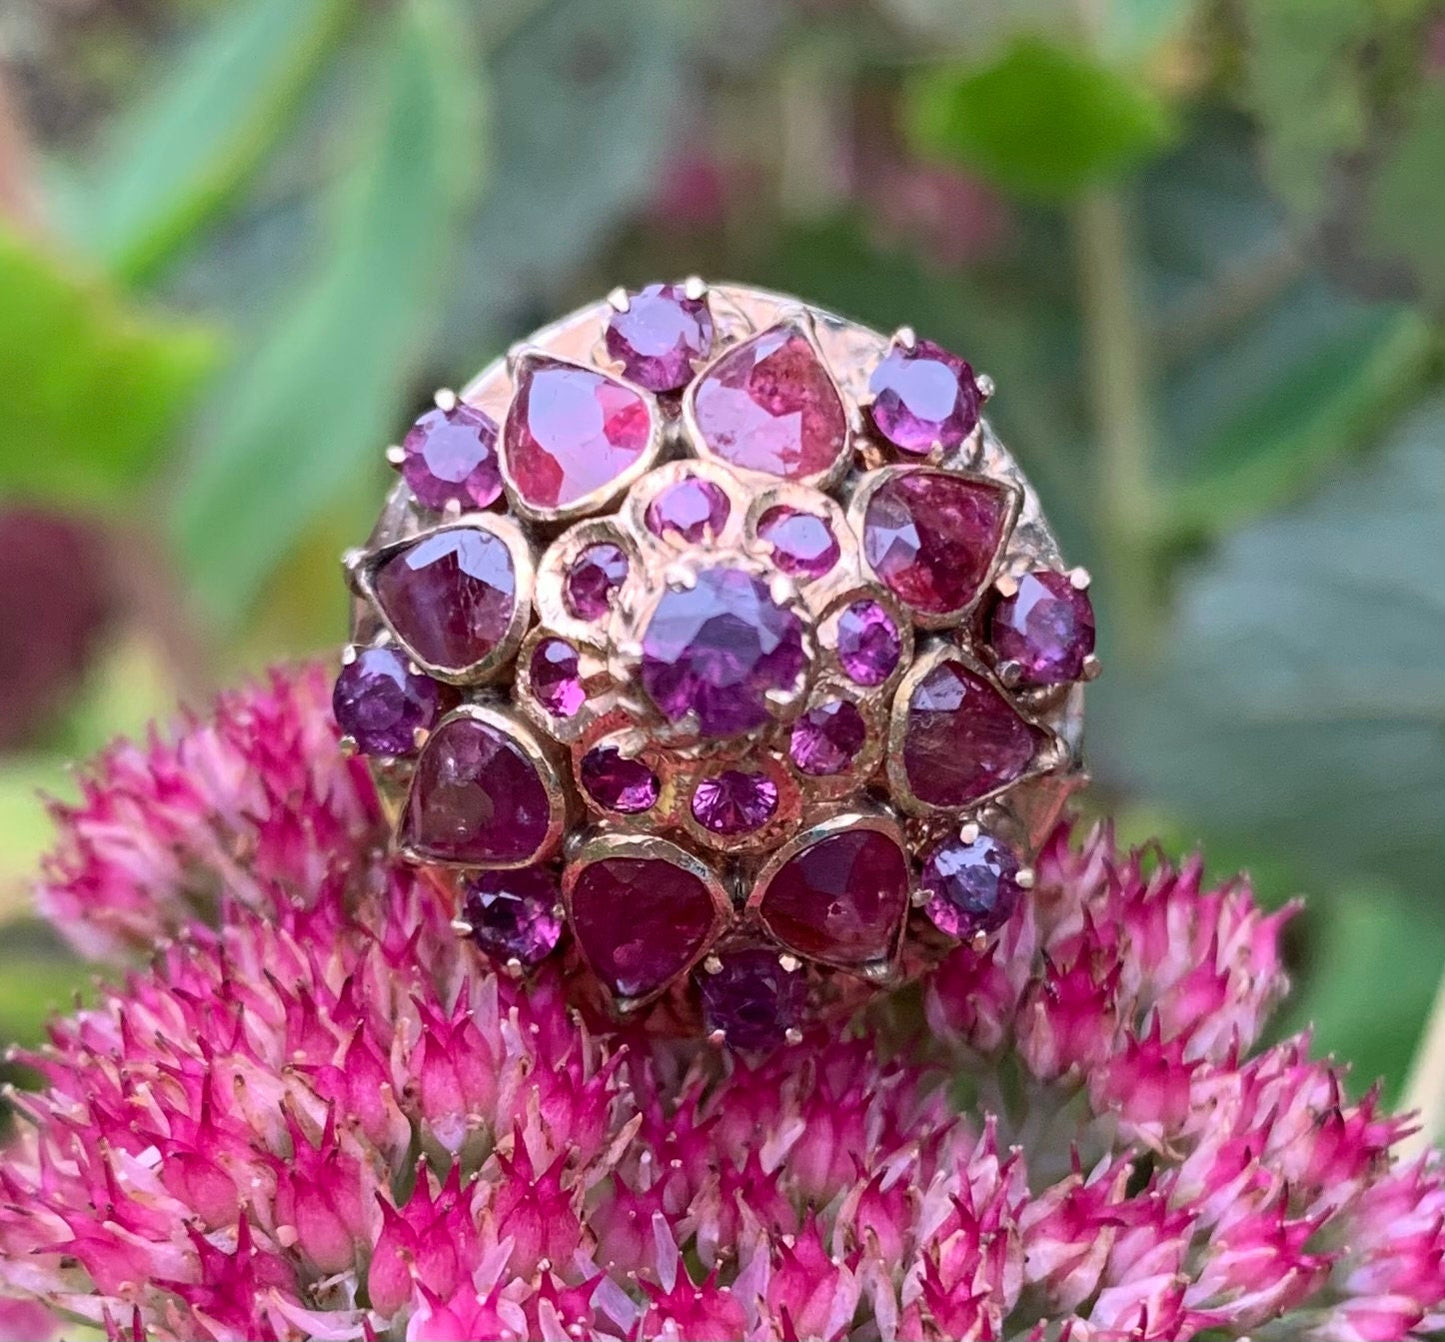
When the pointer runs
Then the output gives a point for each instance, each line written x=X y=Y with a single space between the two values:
x=692 y=509
x=827 y=738
x=640 y=921
x=932 y=537
x=869 y=644
x=752 y=999
x=475 y=798
x=963 y=739
x=971 y=887
x=842 y=899
x=769 y=405
x=660 y=336
x=380 y=703
x=1046 y=628
x=514 y=915
x=556 y=682
x=450 y=456
x=571 y=432
x=734 y=802
x=593 y=576
x=717 y=648
x=923 y=396
x=802 y=543
x=449 y=596
x=617 y=783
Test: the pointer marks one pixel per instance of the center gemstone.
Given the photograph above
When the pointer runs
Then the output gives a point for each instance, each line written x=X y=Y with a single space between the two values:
x=717 y=648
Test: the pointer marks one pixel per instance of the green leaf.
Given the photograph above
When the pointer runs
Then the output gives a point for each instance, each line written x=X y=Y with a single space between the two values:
x=91 y=389
x=38 y=977
x=1041 y=121
x=1405 y=207
x=295 y=427
x=217 y=109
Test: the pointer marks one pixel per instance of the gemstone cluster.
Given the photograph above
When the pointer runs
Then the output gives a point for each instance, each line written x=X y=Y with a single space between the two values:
x=716 y=643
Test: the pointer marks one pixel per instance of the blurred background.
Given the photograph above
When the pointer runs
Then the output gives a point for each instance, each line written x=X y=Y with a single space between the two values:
x=1199 y=245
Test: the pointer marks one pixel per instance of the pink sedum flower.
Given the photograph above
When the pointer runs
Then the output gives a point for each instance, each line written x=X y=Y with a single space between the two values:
x=319 y=1114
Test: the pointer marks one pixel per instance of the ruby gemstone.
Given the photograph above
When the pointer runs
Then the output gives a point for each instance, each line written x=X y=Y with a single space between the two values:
x=752 y=999
x=827 y=738
x=841 y=900
x=802 y=544
x=475 y=798
x=514 y=914
x=556 y=681
x=660 y=336
x=770 y=405
x=691 y=509
x=596 y=572
x=380 y=703
x=923 y=396
x=971 y=887
x=450 y=596
x=571 y=432
x=450 y=456
x=1046 y=628
x=963 y=739
x=734 y=802
x=640 y=921
x=617 y=783
x=869 y=644
x=932 y=537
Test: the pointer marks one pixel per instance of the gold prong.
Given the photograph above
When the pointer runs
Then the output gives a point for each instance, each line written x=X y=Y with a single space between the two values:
x=461 y=927
x=445 y=398
x=906 y=337
x=790 y=964
x=348 y=654
x=1079 y=579
x=985 y=385
x=968 y=832
x=348 y=747
x=712 y=965
x=618 y=300
x=979 y=942
x=396 y=456
x=1025 y=879
x=694 y=286
x=920 y=898
x=1092 y=666
x=1006 y=585
x=679 y=577
x=717 y=1038
x=452 y=510
x=793 y=1035
x=1010 y=673
x=419 y=736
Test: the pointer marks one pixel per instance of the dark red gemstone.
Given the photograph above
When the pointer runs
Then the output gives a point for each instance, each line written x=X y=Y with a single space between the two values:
x=827 y=738
x=802 y=543
x=692 y=509
x=1046 y=628
x=556 y=681
x=380 y=703
x=592 y=577
x=752 y=999
x=617 y=783
x=514 y=915
x=449 y=596
x=734 y=802
x=923 y=396
x=842 y=899
x=971 y=887
x=660 y=336
x=869 y=644
x=451 y=457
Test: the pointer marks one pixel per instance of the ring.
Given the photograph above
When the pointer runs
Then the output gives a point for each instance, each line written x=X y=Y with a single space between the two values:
x=713 y=645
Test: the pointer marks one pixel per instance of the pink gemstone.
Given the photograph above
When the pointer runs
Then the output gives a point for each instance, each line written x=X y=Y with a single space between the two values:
x=827 y=738
x=449 y=596
x=514 y=914
x=617 y=783
x=640 y=921
x=840 y=900
x=752 y=999
x=923 y=396
x=734 y=802
x=1046 y=628
x=594 y=575
x=570 y=432
x=556 y=683
x=962 y=738
x=932 y=537
x=660 y=336
x=869 y=644
x=769 y=405
x=691 y=509
x=475 y=798
x=451 y=457
x=380 y=703
x=971 y=887
x=803 y=545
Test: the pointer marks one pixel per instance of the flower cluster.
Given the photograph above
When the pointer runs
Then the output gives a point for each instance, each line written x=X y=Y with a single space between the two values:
x=317 y=1113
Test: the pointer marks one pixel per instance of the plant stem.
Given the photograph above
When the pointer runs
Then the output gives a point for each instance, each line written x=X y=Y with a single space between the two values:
x=1425 y=1088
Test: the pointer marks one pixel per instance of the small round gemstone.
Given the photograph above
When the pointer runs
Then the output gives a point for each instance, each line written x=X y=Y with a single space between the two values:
x=380 y=703
x=451 y=457
x=716 y=648
x=1046 y=628
x=802 y=544
x=617 y=783
x=556 y=682
x=691 y=509
x=923 y=396
x=660 y=336
x=752 y=999
x=971 y=887
x=593 y=576
x=827 y=738
x=869 y=644
x=734 y=802
x=514 y=914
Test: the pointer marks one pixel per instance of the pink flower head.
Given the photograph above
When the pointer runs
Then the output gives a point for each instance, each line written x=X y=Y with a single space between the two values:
x=317 y=1113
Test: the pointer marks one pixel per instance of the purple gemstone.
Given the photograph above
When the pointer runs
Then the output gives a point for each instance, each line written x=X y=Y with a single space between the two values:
x=716 y=648
x=803 y=544
x=593 y=576
x=691 y=509
x=624 y=785
x=451 y=457
x=971 y=887
x=514 y=914
x=734 y=802
x=827 y=738
x=556 y=683
x=869 y=644
x=752 y=999
x=380 y=703
x=923 y=396
x=1046 y=627
x=660 y=336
